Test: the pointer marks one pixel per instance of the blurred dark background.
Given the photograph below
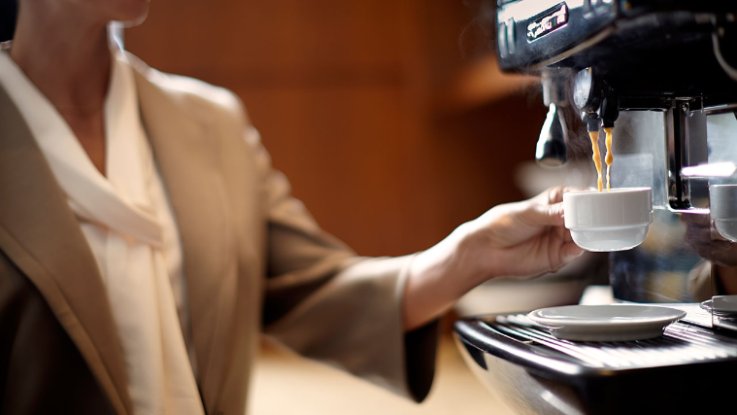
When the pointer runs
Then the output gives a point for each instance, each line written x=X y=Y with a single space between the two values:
x=389 y=116
x=8 y=11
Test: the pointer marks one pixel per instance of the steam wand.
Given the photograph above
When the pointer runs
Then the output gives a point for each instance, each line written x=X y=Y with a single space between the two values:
x=551 y=146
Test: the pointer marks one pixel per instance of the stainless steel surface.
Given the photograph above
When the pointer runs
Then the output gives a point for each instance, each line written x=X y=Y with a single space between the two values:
x=524 y=393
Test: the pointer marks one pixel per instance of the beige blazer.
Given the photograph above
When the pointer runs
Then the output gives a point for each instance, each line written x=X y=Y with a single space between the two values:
x=254 y=259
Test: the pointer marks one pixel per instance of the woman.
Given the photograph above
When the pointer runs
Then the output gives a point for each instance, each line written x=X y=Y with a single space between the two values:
x=146 y=240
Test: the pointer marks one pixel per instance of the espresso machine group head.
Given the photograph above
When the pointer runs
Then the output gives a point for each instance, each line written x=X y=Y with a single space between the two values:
x=601 y=57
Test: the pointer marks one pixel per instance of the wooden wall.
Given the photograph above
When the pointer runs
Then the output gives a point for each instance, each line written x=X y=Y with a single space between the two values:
x=388 y=116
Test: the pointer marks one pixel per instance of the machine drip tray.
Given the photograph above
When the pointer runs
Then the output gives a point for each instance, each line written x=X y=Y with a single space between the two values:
x=689 y=369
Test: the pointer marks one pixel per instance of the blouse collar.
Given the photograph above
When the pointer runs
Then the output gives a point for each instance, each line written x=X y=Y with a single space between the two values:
x=117 y=200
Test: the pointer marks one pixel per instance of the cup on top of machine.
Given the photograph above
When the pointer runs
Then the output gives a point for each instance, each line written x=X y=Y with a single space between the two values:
x=723 y=207
x=613 y=220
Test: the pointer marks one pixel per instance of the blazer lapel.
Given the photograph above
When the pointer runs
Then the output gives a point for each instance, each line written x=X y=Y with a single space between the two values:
x=40 y=234
x=188 y=161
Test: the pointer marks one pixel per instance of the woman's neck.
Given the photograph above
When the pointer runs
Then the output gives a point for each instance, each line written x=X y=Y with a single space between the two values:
x=68 y=59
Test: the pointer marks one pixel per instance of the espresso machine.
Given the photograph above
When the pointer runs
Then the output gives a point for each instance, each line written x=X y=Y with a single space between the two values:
x=663 y=75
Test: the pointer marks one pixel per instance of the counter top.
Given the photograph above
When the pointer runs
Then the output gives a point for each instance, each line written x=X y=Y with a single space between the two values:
x=314 y=388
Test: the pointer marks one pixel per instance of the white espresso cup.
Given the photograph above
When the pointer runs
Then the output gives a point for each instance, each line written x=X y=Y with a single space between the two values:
x=612 y=220
x=723 y=207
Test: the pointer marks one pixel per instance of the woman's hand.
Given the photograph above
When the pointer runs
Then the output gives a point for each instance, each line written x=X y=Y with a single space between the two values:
x=524 y=238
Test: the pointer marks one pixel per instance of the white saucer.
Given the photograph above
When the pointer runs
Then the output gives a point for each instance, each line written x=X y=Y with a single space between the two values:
x=721 y=305
x=611 y=322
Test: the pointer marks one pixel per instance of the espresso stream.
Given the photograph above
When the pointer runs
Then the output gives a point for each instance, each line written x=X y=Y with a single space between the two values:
x=608 y=159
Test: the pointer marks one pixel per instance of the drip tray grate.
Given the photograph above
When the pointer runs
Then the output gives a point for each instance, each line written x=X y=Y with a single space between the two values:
x=681 y=371
x=681 y=343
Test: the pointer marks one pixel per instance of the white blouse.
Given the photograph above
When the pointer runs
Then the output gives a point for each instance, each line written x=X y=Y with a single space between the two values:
x=129 y=226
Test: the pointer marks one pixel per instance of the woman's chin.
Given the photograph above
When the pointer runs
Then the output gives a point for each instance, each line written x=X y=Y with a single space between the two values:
x=132 y=12
x=133 y=22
